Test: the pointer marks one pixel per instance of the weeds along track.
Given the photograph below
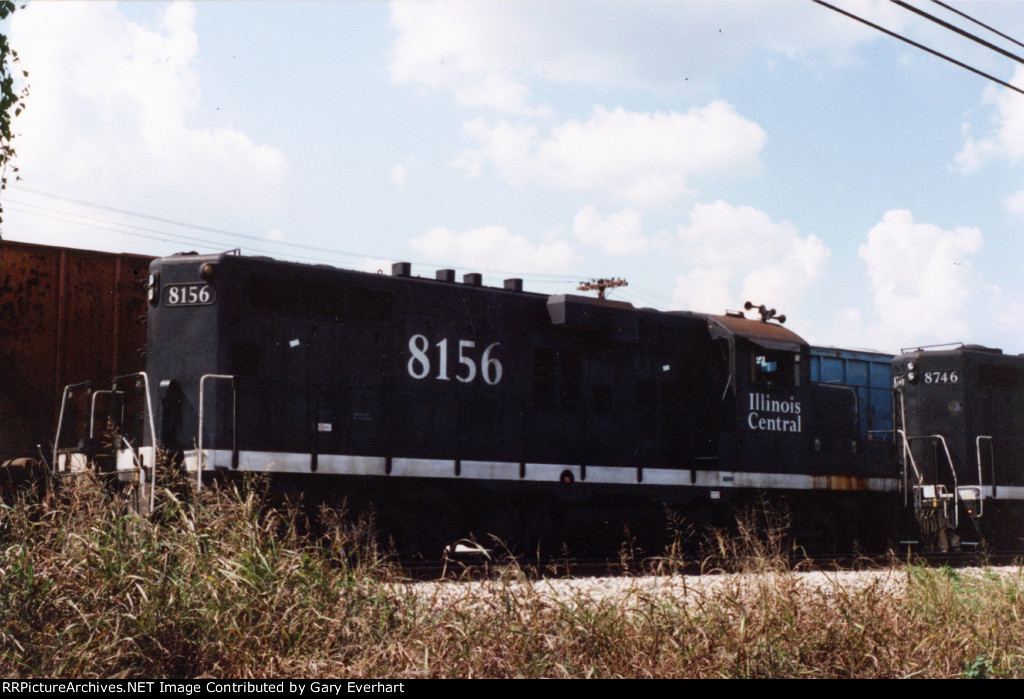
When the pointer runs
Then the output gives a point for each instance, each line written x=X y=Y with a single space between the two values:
x=223 y=586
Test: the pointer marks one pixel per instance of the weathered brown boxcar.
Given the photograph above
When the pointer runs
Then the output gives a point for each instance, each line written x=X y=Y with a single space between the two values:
x=66 y=316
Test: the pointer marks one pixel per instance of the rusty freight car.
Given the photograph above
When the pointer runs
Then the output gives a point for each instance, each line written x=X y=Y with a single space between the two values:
x=66 y=316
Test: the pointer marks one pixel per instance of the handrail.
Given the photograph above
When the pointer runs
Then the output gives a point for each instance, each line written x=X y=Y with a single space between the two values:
x=906 y=448
x=137 y=460
x=152 y=429
x=908 y=453
x=234 y=408
x=992 y=460
x=725 y=390
x=953 y=345
x=92 y=411
x=60 y=419
x=952 y=470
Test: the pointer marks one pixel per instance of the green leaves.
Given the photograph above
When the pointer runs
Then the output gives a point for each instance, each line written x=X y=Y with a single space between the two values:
x=12 y=101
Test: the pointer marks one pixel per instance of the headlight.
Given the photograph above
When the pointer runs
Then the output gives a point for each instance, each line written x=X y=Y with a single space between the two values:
x=153 y=289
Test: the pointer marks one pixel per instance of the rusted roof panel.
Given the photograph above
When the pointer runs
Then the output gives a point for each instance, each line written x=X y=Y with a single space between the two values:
x=767 y=335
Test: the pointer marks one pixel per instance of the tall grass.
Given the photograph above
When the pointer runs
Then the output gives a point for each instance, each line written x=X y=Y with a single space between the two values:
x=224 y=585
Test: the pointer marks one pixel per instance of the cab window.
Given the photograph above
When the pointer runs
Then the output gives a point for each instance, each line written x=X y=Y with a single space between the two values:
x=773 y=368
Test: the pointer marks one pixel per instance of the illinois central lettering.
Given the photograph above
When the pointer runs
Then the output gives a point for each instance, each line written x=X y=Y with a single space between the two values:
x=773 y=415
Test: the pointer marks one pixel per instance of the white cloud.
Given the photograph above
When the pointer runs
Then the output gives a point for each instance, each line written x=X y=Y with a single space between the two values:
x=494 y=249
x=738 y=253
x=1006 y=141
x=706 y=289
x=643 y=157
x=922 y=280
x=499 y=55
x=399 y=174
x=113 y=117
x=1015 y=204
x=507 y=146
x=620 y=233
x=848 y=331
x=469 y=48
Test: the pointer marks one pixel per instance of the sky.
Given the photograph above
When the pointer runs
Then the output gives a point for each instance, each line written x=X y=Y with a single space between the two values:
x=710 y=153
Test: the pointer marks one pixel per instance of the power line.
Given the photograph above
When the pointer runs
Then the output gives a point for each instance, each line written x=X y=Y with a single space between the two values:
x=137 y=231
x=980 y=24
x=920 y=46
x=639 y=295
x=646 y=296
x=193 y=226
x=168 y=237
x=958 y=30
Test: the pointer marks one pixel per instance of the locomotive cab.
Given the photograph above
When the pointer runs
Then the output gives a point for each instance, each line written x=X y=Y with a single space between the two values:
x=763 y=399
x=784 y=426
x=775 y=418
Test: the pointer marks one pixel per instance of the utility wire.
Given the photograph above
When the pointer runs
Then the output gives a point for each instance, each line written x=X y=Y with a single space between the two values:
x=202 y=243
x=167 y=237
x=980 y=24
x=920 y=46
x=136 y=231
x=193 y=226
x=646 y=296
x=639 y=295
x=958 y=30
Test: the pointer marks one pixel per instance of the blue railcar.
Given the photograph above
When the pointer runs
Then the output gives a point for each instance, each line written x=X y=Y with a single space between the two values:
x=868 y=373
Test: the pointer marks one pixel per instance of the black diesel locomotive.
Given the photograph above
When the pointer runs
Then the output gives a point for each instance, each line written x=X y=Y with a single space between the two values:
x=959 y=419
x=452 y=409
